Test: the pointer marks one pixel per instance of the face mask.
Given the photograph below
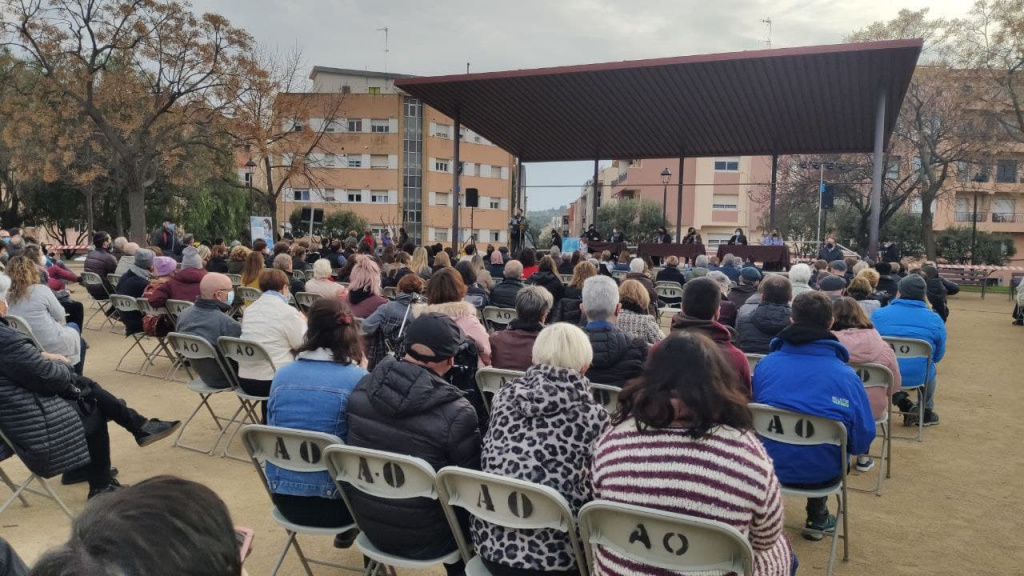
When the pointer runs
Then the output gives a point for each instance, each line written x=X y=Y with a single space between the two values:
x=170 y=227
x=6 y=239
x=231 y=298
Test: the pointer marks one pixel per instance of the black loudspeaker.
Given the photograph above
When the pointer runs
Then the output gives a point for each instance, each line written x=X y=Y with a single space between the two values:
x=828 y=197
x=472 y=198
x=318 y=215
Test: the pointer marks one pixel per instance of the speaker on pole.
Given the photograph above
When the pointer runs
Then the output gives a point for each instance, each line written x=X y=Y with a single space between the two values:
x=472 y=198
x=828 y=197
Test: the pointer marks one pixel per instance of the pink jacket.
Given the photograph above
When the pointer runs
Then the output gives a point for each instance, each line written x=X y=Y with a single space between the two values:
x=466 y=317
x=866 y=345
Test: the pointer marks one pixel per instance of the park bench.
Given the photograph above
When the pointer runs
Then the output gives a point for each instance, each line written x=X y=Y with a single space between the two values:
x=966 y=276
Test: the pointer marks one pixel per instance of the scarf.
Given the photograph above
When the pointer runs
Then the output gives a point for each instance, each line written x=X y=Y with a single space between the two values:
x=139 y=272
x=357 y=296
x=797 y=334
x=634 y=307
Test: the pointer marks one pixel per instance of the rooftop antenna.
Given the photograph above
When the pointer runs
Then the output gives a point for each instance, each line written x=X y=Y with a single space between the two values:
x=467 y=67
x=768 y=22
x=386 y=50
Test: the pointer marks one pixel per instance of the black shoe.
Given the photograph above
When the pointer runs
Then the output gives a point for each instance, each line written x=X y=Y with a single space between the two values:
x=930 y=418
x=346 y=538
x=110 y=487
x=903 y=402
x=80 y=475
x=815 y=530
x=154 y=430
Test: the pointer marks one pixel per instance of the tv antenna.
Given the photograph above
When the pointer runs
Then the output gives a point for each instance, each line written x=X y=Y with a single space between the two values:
x=386 y=50
x=768 y=22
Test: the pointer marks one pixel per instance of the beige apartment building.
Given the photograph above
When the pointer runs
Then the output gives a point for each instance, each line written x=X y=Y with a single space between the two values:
x=388 y=158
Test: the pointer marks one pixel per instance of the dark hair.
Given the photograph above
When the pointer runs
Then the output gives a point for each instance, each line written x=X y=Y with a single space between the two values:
x=273 y=279
x=445 y=285
x=160 y=526
x=813 y=309
x=97 y=239
x=701 y=298
x=470 y=250
x=466 y=270
x=883 y=268
x=929 y=272
x=410 y=283
x=346 y=271
x=528 y=258
x=849 y=314
x=690 y=368
x=218 y=251
x=547 y=264
x=776 y=289
x=330 y=325
x=259 y=245
x=575 y=259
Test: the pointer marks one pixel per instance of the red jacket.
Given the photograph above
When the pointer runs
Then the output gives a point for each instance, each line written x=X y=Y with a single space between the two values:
x=512 y=349
x=184 y=285
x=58 y=276
x=721 y=336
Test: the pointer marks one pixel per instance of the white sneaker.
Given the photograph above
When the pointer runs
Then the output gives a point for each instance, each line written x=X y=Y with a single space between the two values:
x=865 y=463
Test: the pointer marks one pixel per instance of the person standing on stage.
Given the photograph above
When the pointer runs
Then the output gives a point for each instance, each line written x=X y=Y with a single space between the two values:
x=516 y=227
x=738 y=238
x=556 y=239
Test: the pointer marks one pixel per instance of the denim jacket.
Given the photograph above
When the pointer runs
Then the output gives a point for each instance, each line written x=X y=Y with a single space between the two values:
x=310 y=394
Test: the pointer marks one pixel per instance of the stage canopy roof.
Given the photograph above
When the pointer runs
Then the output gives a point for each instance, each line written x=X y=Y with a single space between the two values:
x=809 y=100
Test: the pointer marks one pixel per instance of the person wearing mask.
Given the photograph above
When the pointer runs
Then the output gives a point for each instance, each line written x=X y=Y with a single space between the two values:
x=592 y=235
x=685 y=405
x=99 y=261
x=617 y=236
x=504 y=293
x=768 y=318
x=183 y=284
x=37 y=305
x=364 y=289
x=383 y=330
x=773 y=239
x=511 y=348
x=807 y=347
x=618 y=357
x=699 y=315
x=312 y=394
x=406 y=406
x=134 y=283
x=830 y=251
x=692 y=236
x=662 y=236
x=165 y=237
x=738 y=238
x=208 y=318
x=549 y=410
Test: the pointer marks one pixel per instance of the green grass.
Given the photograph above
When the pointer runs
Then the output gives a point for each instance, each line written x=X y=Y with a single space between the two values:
x=988 y=289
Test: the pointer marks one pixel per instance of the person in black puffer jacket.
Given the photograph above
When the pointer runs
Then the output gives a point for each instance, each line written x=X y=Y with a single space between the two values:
x=938 y=289
x=547 y=277
x=100 y=262
x=618 y=357
x=503 y=295
x=771 y=316
x=406 y=406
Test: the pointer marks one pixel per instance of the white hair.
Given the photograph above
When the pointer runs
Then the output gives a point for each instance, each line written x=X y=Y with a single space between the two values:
x=636 y=265
x=563 y=345
x=533 y=303
x=701 y=261
x=513 y=269
x=322 y=268
x=555 y=253
x=724 y=284
x=5 y=285
x=800 y=273
x=600 y=298
x=860 y=265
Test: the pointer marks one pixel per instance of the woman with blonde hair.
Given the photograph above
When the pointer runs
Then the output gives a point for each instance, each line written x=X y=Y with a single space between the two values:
x=421 y=263
x=441 y=260
x=236 y=259
x=860 y=290
x=483 y=275
x=364 y=290
x=254 y=265
x=634 y=319
x=37 y=305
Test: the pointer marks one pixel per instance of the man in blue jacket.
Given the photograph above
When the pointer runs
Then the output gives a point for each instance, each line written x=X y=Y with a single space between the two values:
x=807 y=372
x=909 y=317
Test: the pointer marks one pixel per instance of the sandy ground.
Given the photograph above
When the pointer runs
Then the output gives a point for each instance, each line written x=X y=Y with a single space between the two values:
x=951 y=507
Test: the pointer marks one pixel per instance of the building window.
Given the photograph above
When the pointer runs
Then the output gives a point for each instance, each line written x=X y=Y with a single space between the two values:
x=915 y=164
x=441 y=198
x=380 y=126
x=494 y=203
x=441 y=235
x=916 y=206
x=330 y=125
x=248 y=180
x=300 y=195
x=327 y=195
x=963 y=171
x=296 y=126
x=379 y=196
x=375 y=90
x=892 y=170
x=727 y=165
x=355 y=125
x=1003 y=209
x=495 y=236
x=716 y=239
x=442 y=165
x=355 y=196
x=329 y=160
x=355 y=162
x=724 y=201
x=1006 y=171
x=378 y=161
x=443 y=131
x=346 y=89
x=495 y=171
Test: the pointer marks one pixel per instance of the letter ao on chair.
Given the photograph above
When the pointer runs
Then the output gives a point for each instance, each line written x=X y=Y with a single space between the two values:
x=878 y=376
x=907 y=348
x=495 y=317
x=244 y=352
x=489 y=381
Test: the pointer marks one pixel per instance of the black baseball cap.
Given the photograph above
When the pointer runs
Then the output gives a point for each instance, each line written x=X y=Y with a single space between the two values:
x=433 y=337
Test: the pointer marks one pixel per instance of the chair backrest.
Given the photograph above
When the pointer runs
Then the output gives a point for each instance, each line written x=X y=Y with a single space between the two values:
x=909 y=347
x=664 y=539
x=244 y=351
x=605 y=395
x=489 y=380
x=619 y=274
x=195 y=347
x=92 y=279
x=665 y=318
x=145 y=307
x=113 y=279
x=307 y=275
x=390 y=292
x=382 y=474
x=566 y=278
x=798 y=429
x=306 y=299
x=499 y=316
x=873 y=375
x=176 y=307
x=236 y=279
x=753 y=359
x=124 y=303
x=672 y=290
x=507 y=502
x=286 y=448
x=19 y=324
x=248 y=293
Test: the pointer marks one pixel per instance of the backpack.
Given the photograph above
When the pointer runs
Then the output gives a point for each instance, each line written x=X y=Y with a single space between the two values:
x=463 y=376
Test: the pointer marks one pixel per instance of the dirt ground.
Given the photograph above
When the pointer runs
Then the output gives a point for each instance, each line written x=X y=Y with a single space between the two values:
x=952 y=506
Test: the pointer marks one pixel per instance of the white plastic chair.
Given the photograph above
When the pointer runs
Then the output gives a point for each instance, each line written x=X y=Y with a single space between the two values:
x=665 y=319
x=605 y=395
x=306 y=299
x=19 y=490
x=566 y=278
x=248 y=294
x=499 y=317
x=507 y=502
x=489 y=380
x=878 y=376
x=113 y=279
x=91 y=279
x=392 y=477
x=619 y=275
x=295 y=451
x=390 y=292
x=244 y=352
x=307 y=275
x=908 y=348
x=19 y=324
x=806 y=430
x=753 y=359
x=176 y=307
x=669 y=290
x=674 y=542
x=236 y=279
x=161 y=348
x=128 y=304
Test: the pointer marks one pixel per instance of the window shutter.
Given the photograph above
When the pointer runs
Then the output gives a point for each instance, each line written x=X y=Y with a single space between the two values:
x=392 y=161
x=393 y=125
x=366 y=125
x=504 y=172
x=392 y=196
x=504 y=204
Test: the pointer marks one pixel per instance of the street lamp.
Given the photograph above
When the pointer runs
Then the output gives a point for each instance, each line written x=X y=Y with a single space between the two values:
x=666 y=175
x=250 y=168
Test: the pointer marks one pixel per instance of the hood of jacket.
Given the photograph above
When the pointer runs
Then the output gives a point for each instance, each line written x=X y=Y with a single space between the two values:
x=863 y=344
x=802 y=340
x=400 y=389
x=190 y=275
x=709 y=328
x=547 y=391
x=771 y=318
x=453 y=310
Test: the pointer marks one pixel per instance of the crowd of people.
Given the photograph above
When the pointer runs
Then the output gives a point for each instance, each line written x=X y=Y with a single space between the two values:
x=397 y=374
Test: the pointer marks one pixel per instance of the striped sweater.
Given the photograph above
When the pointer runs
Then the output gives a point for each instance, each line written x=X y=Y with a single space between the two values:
x=725 y=476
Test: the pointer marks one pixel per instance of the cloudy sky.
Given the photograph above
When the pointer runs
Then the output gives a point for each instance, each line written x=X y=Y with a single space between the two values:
x=430 y=37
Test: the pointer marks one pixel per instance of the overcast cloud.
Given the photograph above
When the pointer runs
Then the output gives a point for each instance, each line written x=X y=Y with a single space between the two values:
x=430 y=37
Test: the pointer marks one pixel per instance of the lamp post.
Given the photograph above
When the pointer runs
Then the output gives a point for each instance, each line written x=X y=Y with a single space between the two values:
x=666 y=175
x=250 y=169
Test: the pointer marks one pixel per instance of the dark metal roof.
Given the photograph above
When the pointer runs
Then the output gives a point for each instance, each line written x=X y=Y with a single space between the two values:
x=817 y=99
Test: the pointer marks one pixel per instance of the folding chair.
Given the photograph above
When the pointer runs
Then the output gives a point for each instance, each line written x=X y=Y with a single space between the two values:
x=489 y=380
x=176 y=307
x=91 y=279
x=752 y=360
x=306 y=299
x=298 y=275
x=665 y=319
x=244 y=352
x=113 y=279
x=676 y=542
x=236 y=279
x=506 y=502
x=197 y=348
x=566 y=278
x=670 y=290
x=19 y=490
x=392 y=477
x=498 y=317
x=908 y=348
x=247 y=294
x=390 y=292
x=806 y=430
x=296 y=451
x=307 y=275
x=19 y=324
x=129 y=304
x=878 y=376
x=607 y=396
x=161 y=348
x=619 y=275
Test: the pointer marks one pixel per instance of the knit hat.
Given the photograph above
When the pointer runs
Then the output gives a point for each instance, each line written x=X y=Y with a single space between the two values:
x=130 y=248
x=164 y=265
x=832 y=284
x=750 y=275
x=913 y=287
x=190 y=258
x=144 y=258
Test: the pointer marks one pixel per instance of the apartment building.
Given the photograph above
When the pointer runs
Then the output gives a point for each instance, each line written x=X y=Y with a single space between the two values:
x=389 y=159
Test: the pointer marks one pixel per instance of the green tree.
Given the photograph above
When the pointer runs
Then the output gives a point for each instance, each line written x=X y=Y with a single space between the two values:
x=335 y=224
x=954 y=245
x=637 y=219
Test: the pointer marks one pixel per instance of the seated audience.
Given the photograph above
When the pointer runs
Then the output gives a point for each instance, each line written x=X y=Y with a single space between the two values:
x=547 y=277
x=127 y=258
x=622 y=264
x=511 y=348
x=908 y=316
x=568 y=308
x=36 y=304
x=364 y=289
x=760 y=327
x=782 y=380
x=383 y=330
x=218 y=261
x=731 y=267
x=253 y=268
x=134 y=283
x=98 y=261
x=208 y=318
x=323 y=282
x=873 y=278
x=236 y=259
x=295 y=285
x=552 y=406
x=638 y=271
x=727 y=311
x=298 y=253
x=475 y=295
x=635 y=319
x=58 y=276
x=618 y=357
x=832 y=286
x=406 y=406
x=312 y=393
x=497 y=264
x=421 y=262
x=504 y=293
x=860 y=290
x=800 y=279
x=699 y=268
x=750 y=278
x=446 y=295
x=671 y=273
x=938 y=289
x=163 y=526
x=483 y=275
x=684 y=428
x=888 y=283
x=441 y=260
x=183 y=284
x=699 y=315
x=818 y=273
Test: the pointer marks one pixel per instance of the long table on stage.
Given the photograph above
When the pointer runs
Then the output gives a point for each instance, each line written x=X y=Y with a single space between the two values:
x=767 y=254
x=613 y=247
x=653 y=250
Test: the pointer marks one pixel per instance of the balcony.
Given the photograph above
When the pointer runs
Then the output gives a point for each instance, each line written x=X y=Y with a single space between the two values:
x=1007 y=218
x=970 y=217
